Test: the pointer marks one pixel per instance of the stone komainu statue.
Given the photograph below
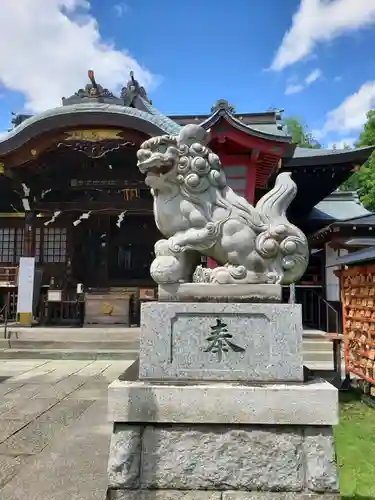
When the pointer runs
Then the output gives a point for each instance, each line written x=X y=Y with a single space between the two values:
x=198 y=213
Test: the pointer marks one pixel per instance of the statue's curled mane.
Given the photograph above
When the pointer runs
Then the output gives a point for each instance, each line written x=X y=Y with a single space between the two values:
x=198 y=170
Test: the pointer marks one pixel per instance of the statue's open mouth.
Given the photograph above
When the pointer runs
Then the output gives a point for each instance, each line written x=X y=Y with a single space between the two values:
x=155 y=171
x=157 y=164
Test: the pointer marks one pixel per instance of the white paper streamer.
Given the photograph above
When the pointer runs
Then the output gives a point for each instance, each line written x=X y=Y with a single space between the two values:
x=84 y=216
x=54 y=217
x=120 y=218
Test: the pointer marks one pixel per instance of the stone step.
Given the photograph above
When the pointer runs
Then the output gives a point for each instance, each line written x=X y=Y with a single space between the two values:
x=326 y=370
x=110 y=345
x=118 y=354
x=308 y=345
x=318 y=356
x=73 y=334
x=317 y=345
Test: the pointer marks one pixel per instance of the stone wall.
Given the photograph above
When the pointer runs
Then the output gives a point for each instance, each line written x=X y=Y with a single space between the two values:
x=201 y=461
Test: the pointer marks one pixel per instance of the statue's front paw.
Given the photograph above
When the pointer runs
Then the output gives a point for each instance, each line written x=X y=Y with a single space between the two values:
x=169 y=247
x=162 y=248
x=174 y=247
x=166 y=269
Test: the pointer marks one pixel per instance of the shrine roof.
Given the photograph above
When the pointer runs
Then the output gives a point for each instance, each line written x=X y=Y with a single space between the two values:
x=94 y=105
x=88 y=113
x=365 y=255
x=263 y=125
x=268 y=125
x=338 y=206
x=353 y=221
x=365 y=220
x=313 y=157
x=147 y=106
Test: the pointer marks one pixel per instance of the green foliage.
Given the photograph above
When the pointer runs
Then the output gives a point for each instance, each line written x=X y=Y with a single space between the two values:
x=364 y=179
x=300 y=133
x=367 y=136
x=355 y=447
x=350 y=184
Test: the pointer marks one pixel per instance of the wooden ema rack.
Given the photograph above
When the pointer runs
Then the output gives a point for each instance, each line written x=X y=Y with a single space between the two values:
x=358 y=312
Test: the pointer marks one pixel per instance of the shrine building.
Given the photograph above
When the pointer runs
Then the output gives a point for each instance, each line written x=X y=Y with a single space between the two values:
x=72 y=200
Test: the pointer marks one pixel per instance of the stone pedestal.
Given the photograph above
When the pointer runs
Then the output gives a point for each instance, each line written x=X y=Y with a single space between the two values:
x=214 y=341
x=213 y=412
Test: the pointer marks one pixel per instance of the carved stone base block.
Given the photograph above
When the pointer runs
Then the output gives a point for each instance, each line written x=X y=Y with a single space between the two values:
x=221 y=341
x=219 y=441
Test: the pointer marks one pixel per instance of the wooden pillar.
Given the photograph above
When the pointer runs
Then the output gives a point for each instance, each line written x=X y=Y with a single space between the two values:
x=251 y=174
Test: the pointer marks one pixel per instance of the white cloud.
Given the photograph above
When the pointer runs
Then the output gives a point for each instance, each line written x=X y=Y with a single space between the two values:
x=3 y=133
x=48 y=46
x=350 y=116
x=319 y=21
x=120 y=9
x=318 y=134
x=337 y=78
x=295 y=88
x=313 y=76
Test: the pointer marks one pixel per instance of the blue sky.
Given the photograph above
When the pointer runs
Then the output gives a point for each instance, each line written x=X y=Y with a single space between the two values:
x=311 y=57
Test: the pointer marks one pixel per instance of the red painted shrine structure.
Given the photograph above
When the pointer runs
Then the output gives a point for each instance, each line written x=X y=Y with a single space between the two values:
x=72 y=197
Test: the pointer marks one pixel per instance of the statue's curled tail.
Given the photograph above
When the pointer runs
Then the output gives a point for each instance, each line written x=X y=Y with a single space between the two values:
x=283 y=243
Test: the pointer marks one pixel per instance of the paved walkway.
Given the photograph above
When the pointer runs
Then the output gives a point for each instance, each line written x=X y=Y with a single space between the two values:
x=54 y=436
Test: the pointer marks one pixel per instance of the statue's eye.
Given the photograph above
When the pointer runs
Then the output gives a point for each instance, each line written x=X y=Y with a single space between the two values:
x=162 y=148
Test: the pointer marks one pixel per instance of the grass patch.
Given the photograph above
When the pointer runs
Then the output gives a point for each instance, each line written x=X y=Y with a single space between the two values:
x=355 y=448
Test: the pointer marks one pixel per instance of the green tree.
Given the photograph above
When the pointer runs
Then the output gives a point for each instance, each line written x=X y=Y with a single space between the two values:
x=300 y=133
x=363 y=179
x=350 y=184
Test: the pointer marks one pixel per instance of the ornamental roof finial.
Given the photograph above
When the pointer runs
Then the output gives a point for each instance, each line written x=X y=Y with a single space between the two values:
x=133 y=89
x=223 y=104
x=91 y=76
x=92 y=91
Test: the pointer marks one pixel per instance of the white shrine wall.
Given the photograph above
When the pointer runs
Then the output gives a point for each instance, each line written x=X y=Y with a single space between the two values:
x=332 y=285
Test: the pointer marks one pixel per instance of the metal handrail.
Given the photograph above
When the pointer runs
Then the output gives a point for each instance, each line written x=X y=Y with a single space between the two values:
x=4 y=312
x=329 y=307
x=7 y=333
x=316 y=310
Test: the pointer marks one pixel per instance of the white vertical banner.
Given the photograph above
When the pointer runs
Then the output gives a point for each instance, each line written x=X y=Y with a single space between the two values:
x=26 y=275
